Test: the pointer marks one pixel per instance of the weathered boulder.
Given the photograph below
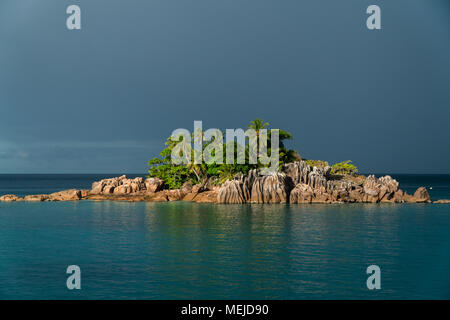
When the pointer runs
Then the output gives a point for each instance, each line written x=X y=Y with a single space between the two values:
x=298 y=172
x=186 y=187
x=85 y=193
x=321 y=196
x=153 y=185
x=271 y=188
x=442 y=201
x=130 y=185
x=255 y=188
x=190 y=196
x=237 y=190
x=98 y=186
x=381 y=189
x=37 y=197
x=356 y=195
x=248 y=182
x=340 y=191
x=372 y=187
x=232 y=191
x=421 y=195
x=302 y=193
x=122 y=189
x=66 y=195
x=301 y=172
x=318 y=177
x=337 y=195
x=118 y=185
x=108 y=189
x=136 y=184
x=10 y=198
x=197 y=188
x=159 y=196
x=175 y=195
x=323 y=188
x=206 y=197
x=390 y=183
x=399 y=196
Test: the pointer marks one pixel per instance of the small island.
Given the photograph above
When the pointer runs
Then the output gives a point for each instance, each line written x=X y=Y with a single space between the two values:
x=296 y=181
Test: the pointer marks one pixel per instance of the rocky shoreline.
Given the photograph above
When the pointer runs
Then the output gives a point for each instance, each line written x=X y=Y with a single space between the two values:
x=297 y=182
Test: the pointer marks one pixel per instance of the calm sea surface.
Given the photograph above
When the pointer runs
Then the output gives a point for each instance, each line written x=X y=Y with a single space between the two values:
x=182 y=250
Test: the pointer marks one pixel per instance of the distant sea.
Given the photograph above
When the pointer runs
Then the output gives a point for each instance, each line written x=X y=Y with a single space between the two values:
x=183 y=250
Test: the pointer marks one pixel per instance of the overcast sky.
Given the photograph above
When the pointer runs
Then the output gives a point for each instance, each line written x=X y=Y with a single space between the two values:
x=103 y=99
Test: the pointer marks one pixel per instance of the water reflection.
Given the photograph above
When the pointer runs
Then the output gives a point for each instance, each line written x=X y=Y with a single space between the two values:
x=187 y=250
x=251 y=251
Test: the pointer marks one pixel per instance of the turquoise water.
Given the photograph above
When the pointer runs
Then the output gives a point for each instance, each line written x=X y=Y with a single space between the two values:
x=186 y=250
x=182 y=250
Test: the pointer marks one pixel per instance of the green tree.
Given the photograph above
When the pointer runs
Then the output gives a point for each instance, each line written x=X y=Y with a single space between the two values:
x=174 y=175
x=257 y=125
x=344 y=167
x=285 y=155
x=317 y=163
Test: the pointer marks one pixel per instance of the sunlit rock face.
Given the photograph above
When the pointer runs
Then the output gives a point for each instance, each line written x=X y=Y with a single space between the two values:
x=123 y=185
x=10 y=198
x=154 y=185
x=232 y=191
x=302 y=193
x=301 y=172
x=255 y=188
x=270 y=189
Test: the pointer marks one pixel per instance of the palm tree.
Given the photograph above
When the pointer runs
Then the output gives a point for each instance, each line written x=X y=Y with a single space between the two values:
x=285 y=154
x=257 y=125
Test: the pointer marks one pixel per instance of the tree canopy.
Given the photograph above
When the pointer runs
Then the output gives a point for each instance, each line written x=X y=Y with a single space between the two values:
x=174 y=175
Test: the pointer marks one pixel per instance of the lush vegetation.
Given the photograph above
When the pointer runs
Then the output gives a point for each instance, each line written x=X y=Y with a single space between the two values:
x=317 y=163
x=340 y=168
x=176 y=175
x=344 y=167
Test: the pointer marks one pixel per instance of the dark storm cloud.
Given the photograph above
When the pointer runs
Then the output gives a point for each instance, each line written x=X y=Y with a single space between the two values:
x=106 y=97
